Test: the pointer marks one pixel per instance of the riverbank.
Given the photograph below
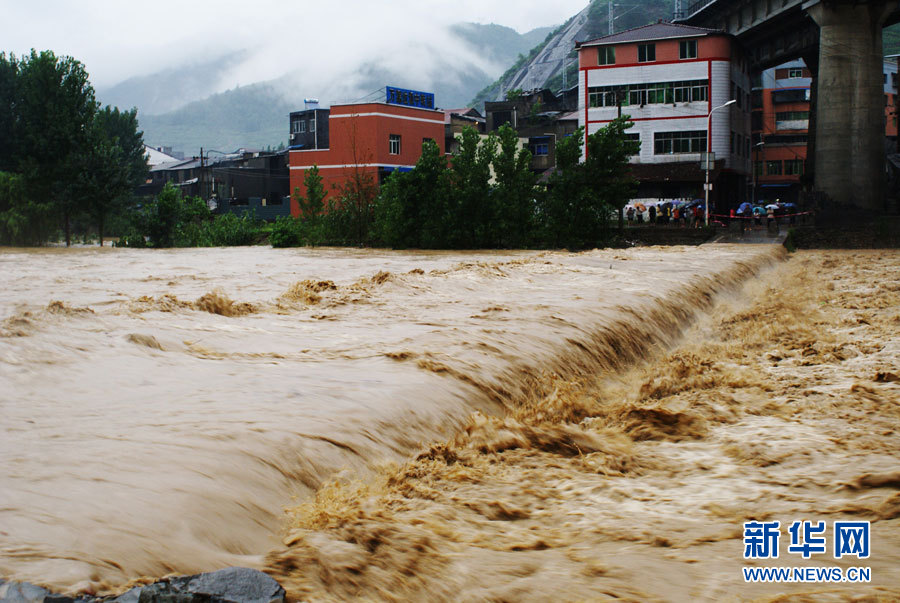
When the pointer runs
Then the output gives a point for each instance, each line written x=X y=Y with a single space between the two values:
x=781 y=405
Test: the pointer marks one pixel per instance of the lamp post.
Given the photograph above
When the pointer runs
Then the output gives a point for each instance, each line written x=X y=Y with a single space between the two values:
x=755 y=176
x=708 y=147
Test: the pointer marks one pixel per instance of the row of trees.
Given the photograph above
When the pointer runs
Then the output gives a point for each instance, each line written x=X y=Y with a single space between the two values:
x=486 y=197
x=65 y=162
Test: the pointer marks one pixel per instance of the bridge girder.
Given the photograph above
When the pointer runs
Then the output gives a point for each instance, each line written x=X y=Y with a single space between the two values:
x=840 y=40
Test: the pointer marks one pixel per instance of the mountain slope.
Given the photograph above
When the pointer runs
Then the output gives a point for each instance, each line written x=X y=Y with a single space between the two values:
x=543 y=66
x=171 y=88
x=249 y=116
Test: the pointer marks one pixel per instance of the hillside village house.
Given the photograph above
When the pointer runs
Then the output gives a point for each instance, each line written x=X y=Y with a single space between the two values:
x=668 y=78
x=376 y=138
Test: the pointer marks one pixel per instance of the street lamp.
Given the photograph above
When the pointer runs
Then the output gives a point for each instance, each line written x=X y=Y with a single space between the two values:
x=708 y=147
x=755 y=175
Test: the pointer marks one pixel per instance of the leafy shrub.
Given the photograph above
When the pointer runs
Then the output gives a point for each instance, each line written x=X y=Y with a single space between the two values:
x=286 y=232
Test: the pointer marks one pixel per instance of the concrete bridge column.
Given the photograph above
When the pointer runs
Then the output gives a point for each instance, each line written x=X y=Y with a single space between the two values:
x=849 y=147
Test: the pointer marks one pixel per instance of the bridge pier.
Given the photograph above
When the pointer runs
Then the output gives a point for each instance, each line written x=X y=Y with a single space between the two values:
x=849 y=135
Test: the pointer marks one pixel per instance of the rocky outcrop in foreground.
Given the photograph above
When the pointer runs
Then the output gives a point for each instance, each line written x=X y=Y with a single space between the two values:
x=230 y=585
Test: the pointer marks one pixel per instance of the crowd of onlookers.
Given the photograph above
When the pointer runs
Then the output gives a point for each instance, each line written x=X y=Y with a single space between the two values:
x=690 y=212
x=677 y=212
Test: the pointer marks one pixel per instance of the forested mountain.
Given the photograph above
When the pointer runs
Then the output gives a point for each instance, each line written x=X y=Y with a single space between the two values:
x=171 y=88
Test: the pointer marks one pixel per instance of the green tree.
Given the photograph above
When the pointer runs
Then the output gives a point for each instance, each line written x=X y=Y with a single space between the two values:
x=430 y=188
x=8 y=95
x=470 y=176
x=513 y=195
x=54 y=106
x=412 y=208
x=170 y=220
x=514 y=94
x=607 y=180
x=312 y=205
x=111 y=166
x=565 y=192
x=23 y=221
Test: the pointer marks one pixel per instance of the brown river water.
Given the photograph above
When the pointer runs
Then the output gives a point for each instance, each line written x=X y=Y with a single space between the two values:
x=161 y=409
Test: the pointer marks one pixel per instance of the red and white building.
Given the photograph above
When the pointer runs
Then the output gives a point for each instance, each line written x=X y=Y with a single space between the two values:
x=668 y=78
x=375 y=138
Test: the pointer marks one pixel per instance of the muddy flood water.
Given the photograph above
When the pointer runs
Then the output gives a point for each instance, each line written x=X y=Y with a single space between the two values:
x=476 y=426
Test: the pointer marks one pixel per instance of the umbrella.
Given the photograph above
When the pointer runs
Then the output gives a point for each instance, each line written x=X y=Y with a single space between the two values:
x=640 y=207
x=773 y=206
x=744 y=208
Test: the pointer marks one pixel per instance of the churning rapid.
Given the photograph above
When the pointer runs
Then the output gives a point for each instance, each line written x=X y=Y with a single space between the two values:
x=162 y=408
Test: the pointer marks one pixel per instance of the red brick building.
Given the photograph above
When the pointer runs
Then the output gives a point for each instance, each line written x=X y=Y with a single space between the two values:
x=375 y=138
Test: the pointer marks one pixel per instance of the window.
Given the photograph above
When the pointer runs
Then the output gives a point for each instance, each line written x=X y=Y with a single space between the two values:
x=785 y=139
x=792 y=120
x=756 y=121
x=299 y=127
x=541 y=149
x=793 y=167
x=756 y=99
x=655 y=93
x=394 y=142
x=690 y=141
x=635 y=137
x=687 y=49
x=302 y=126
x=791 y=115
x=773 y=168
x=646 y=53
x=790 y=95
x=794 y=73
x=606 y=55
x=312 y=125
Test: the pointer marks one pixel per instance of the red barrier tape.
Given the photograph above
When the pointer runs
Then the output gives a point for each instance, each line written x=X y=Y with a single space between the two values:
x=804 y=213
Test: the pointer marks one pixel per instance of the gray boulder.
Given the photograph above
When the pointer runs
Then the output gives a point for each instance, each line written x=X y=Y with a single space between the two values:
x=230 y=585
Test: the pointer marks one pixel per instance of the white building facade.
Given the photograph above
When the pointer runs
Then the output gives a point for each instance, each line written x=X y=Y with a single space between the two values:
x=667 y=78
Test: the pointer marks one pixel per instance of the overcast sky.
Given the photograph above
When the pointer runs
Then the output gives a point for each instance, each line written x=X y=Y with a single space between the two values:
x=120 y=39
